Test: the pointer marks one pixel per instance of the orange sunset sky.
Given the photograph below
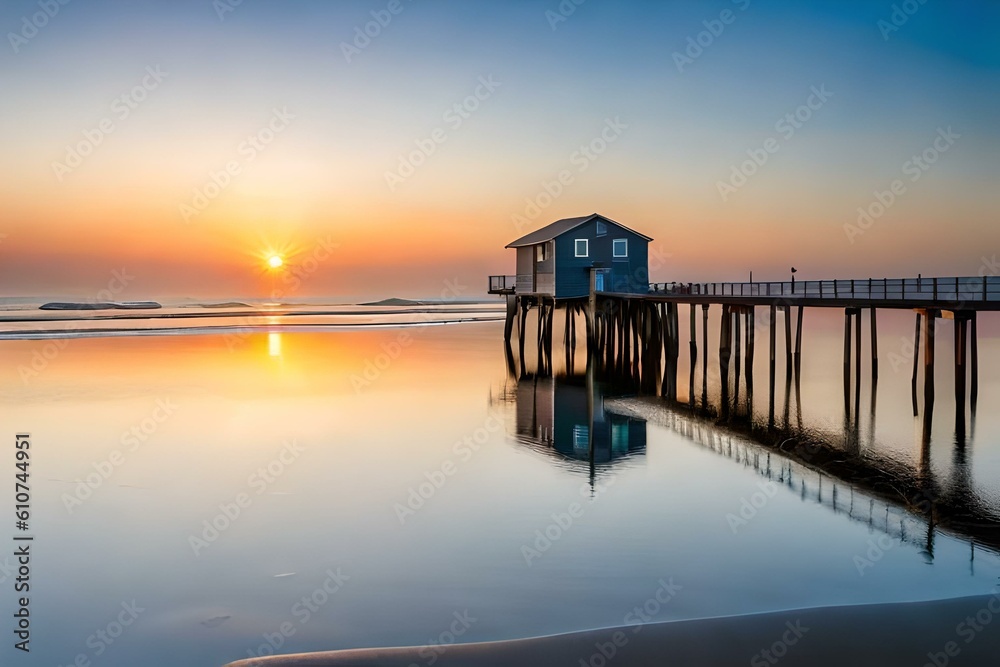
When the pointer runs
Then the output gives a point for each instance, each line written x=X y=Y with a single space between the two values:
x=320 y=124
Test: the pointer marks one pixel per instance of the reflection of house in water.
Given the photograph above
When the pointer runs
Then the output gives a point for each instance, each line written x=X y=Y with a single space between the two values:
x=559 y=415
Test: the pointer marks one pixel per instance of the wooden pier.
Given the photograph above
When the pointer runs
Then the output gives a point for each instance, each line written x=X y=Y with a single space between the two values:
x=632 y=344
x=639 y=335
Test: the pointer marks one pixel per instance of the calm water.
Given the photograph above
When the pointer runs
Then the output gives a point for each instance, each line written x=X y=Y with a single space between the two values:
x=328 y=439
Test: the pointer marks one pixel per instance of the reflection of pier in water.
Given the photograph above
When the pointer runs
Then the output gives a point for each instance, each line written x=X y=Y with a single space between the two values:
x=566 y=417
x=951 y=505
x=838 y=473
x=562 y=415
x=849 y=500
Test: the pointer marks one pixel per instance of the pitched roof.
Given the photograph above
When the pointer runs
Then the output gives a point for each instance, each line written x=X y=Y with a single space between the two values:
x=560 y=227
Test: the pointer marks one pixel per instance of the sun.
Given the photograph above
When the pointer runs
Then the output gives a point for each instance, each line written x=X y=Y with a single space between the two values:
x=275 y=261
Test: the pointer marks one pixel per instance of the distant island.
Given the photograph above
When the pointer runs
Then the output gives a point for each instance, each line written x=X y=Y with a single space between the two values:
x=227 y=304
x=397 y=302
x=425 y=302
x=100 y=305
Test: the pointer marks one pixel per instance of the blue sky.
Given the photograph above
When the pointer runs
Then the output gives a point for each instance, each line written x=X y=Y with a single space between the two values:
x=688 y=128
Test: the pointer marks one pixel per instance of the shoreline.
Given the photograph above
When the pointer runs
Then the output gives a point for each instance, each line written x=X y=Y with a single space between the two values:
x=288 y=327
x=908 y=634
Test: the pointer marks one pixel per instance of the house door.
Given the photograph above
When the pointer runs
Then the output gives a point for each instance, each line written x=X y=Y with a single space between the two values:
x=599 y=281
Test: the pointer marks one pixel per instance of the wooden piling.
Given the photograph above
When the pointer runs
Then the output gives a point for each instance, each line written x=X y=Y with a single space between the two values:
x=961 y=328
x=847 y=363
x=725 y=343
x=657 y=346
x=974 y=349
x=916 y=357
x=592 y=307
x=546 y=337
x=622 y=333
x=751 y=325
x=737 y=352
x=566 y=326
x=693 y=351
x=857 y=364
x=611 y=332
x=569 y=341
x=787 y=310
x=626 y=331
x=575 y=310
x=666 y=346
x=798 y=342
x=549 y=332
x=673 y=347
x=770 y=401
x=930 y=320
x=634 y=324
x=522 y=326
x=632 y=368
x=635 y=307
x=509 y=357
x=704 y=362
x=540 y=337
x=508 y=324
x=874 y=342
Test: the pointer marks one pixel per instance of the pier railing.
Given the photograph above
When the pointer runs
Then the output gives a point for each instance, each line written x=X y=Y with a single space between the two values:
x=502 y=284
x=951 y=290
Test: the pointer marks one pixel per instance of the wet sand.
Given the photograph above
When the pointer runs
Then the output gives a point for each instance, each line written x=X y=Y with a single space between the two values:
x=964 y=631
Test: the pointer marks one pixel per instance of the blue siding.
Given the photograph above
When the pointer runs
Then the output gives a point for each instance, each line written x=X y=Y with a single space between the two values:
x=629 y=274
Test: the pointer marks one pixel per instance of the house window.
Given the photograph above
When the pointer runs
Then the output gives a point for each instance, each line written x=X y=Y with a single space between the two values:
x=582 y=247
x=602 y=228
x=541 y=252
x=621 y=247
